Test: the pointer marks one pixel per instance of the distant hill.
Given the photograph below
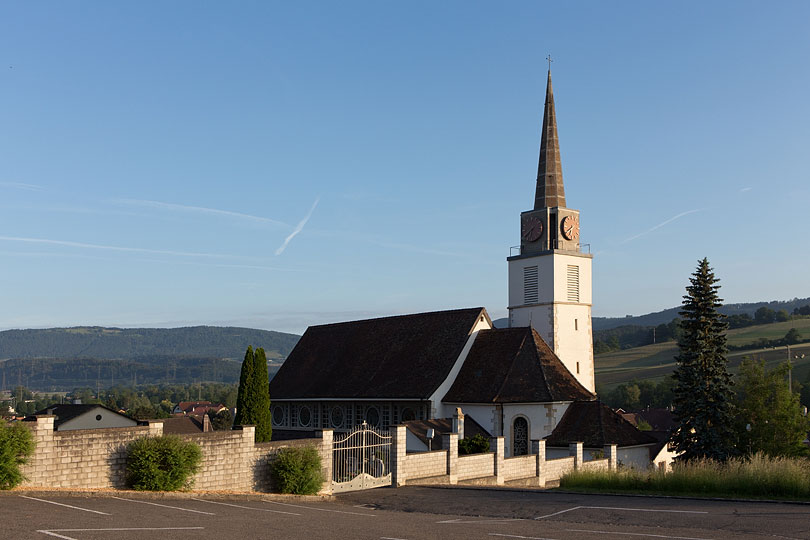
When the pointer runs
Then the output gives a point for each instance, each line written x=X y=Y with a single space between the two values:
x=132 y=343
x=665 y=316
x=66 y=358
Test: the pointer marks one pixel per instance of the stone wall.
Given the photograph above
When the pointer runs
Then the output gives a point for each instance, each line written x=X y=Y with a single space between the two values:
x=476 y=466
x=425 y=464
x=81 y=458
x=96 y=458
x=519 y=467
x=556 y=468
x=596 y=465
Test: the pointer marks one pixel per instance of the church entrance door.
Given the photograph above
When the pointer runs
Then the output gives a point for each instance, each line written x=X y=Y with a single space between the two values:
x=361 y=459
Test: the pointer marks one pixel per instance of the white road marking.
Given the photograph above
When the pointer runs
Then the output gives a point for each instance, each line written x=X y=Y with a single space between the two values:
x=624 y=509
x=560 y=512
x=648 y=510
x=523 y=537
x=321 y=509
x=247 y=507
x=480 y=520
x=165 y=506
x=639 y=534
x=66 y=505
x=52 y=532
x=390 y=538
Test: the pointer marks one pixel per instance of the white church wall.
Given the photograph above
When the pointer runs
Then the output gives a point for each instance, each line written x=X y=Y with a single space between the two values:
x=542 y=419
x=414 y=443
x=485 y=415
x=439 y=409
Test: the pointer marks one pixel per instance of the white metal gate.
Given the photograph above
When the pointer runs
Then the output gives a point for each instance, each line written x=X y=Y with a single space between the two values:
x=361 y=459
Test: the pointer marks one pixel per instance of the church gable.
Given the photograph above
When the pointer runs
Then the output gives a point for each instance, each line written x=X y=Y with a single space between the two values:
x=403 y=357
x=513 y=365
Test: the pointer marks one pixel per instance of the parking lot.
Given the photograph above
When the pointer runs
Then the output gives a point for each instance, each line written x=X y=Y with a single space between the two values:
x=410 y=513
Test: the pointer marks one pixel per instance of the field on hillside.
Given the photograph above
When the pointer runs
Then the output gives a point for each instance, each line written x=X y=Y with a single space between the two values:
x=653 y=362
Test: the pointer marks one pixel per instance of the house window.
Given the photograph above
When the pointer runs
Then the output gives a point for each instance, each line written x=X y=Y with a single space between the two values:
x=577 y=368
x=530 y=286
x=573 y=283
x=408 y=414
x=520 y=437
x=304 y=416
x=336 y=416
x=373 y=417
x=576 y=324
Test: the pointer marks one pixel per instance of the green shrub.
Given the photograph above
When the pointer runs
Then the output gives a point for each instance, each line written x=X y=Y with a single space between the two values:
x=298 y=471
x=474 y=445
x=164 y=463
x=16 y=445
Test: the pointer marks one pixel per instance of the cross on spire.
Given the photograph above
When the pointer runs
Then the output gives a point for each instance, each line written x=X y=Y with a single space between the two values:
x=549 y=61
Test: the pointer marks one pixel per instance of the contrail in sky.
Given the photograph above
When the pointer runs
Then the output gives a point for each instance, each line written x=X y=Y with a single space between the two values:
x=20 y=185
x=670 y=220
x=67 y=243
x=199 y=209
x=298 y=228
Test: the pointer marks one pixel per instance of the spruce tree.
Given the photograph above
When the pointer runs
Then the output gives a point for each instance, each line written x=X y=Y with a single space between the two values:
x=253 y=397
x=703 y=401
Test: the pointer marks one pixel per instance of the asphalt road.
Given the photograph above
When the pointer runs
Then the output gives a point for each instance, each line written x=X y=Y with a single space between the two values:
x=410 y=513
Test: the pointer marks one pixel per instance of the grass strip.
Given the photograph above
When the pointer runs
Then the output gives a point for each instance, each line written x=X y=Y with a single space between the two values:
x=756 y=477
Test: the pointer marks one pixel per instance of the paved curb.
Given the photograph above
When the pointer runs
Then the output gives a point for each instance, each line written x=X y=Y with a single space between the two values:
x=167 y=495
x=607 y=494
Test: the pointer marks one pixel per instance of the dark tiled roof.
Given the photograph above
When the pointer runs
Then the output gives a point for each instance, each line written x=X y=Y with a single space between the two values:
x=441 y=426
x=69 y=411
x=659 y=419
x=392 y=357
x=596 y=425
x=513 y=365
x=181 y=425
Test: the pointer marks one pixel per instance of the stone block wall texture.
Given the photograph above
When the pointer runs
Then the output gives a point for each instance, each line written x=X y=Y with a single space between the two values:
x=264 y=454
x=476 y=466
x=518 y=467
x=596 y=465
x=96 y=458
x=555 y=468
x=81 y=458
x=425 y=464
x=228 y=459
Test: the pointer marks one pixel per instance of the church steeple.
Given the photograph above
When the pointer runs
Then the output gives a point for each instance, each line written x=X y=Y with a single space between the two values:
x=550 y=191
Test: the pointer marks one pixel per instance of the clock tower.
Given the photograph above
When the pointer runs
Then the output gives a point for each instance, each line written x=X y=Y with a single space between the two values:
x=550 y=278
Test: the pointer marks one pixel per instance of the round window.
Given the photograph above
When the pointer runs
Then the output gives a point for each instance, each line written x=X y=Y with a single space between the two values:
x=336 y=416
x=304 y=416
x=373 y=417
x=408 y=414
x=98 y=418
x=278 y=415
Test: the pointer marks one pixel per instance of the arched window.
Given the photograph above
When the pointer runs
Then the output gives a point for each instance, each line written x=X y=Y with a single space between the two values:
x=520 y=437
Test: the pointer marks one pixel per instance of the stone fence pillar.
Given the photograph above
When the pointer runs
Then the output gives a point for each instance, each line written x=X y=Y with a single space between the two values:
x=539 y=450
x=611 y=453
x=497 y=447
x=325 y=450
x=398 y=449
x=450 y=442
x=575 y=449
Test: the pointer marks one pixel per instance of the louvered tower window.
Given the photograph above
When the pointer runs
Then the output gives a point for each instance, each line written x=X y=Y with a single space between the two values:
x=573 y=283
x=530 y=287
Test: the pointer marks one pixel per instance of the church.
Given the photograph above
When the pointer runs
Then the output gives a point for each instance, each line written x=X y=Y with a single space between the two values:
x=532 y=380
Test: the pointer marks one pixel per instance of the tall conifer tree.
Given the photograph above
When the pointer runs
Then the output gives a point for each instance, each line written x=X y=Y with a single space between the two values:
x=262 y=419
x=253 y=398
x=245 y=382
x=703 y=399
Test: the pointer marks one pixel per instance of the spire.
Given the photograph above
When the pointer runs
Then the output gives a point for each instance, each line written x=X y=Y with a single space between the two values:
x=550 y=191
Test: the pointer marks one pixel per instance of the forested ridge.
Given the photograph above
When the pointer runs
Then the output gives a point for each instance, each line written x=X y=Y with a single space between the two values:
x=142 y=343
x=64 y=358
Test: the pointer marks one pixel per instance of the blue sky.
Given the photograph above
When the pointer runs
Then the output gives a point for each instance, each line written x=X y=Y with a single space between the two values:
x=276 y=165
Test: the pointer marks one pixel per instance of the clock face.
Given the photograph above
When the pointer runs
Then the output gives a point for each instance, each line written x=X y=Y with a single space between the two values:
x=532 y=229
x=570 y=227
